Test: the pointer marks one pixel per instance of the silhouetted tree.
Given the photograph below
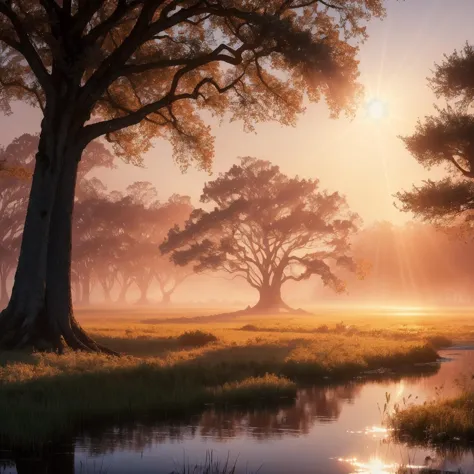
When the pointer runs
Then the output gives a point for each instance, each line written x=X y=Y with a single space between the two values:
x=17 y=156
x=142 y=228
x=135 y=70
x=446 y=139
x=18 y=162
x=99 y=227
x=147 y=226
x=268 y=229
x=169 y=276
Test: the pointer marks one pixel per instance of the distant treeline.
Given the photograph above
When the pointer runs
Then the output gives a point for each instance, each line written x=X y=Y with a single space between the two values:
x=116 y=236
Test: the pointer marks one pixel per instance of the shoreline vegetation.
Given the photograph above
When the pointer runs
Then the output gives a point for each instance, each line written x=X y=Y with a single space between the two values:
x=169 y=371
x=442 y=422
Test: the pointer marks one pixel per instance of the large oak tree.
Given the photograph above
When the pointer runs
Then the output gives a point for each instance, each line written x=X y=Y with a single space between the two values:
x=133 y=70
x=268 y=229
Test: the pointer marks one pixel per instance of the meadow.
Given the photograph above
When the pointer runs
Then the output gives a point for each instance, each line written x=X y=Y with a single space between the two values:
x=173 y=363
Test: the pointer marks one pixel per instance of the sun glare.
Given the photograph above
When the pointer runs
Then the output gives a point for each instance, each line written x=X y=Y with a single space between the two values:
x=376 y=466
x=377 y=109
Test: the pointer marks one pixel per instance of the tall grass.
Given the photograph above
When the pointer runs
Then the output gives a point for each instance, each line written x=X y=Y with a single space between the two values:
x=43 y=395
x=437 y=422
x=211 y=465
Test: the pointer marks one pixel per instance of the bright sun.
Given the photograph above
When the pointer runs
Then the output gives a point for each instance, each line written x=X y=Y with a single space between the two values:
x=377 y=109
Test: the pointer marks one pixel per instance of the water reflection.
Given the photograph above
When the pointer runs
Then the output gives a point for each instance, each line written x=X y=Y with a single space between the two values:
x=443 y=463
x=374 y=466
x=331 y=430
x=312 y=405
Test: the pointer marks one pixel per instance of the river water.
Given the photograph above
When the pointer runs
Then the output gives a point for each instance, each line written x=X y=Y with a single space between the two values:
x=328 y=430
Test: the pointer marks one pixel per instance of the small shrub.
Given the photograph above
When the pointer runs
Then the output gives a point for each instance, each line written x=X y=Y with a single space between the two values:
x=249 y=327
x=196 y=338
x=439 y=342
x=323 y=328
x=270 y=388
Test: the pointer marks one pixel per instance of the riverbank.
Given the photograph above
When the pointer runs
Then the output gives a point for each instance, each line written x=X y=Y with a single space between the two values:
x=42 y=395
x=448 y=422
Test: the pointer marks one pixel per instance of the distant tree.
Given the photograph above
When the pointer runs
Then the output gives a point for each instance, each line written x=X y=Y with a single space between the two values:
x=446 y=139
x=136 y=70
x=16 y=161
x=147 y=226
x=268 y=229
x=142 y=226
x=98 y=228
x=106 y=273
x=169 y=276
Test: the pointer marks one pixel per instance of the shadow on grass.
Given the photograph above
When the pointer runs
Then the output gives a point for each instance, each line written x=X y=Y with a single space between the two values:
x=155 y=346
x=140 y=346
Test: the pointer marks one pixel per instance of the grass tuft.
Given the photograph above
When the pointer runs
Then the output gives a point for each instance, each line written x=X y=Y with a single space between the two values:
x=196 y=338
x=211 y=465
x=437 y=422
x=268 y=389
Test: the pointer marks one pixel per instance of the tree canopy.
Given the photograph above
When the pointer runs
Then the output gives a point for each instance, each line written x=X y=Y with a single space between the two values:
x=268 y=229
x=446 y=139
x=151 y=66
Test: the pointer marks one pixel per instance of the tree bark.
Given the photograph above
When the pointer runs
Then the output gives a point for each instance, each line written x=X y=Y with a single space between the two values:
x=107 y=297
x=122 y=297
x=143 y=294
x=166 y=298
x=39 y=315
x=270 y=299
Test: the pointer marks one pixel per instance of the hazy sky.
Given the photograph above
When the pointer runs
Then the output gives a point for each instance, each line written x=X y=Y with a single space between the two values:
x=362 y=158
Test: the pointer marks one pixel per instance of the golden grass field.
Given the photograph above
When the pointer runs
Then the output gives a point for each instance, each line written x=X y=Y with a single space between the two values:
x=251 y=359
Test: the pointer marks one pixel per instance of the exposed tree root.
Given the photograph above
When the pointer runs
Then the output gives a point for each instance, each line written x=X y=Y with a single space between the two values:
x=20 y=332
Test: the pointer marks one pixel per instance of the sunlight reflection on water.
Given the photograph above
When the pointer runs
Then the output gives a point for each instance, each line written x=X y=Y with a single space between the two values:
x=330 y=429
x=376 y=466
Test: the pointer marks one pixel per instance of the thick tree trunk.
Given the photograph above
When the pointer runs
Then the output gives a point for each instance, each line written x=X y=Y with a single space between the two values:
x=107 y=297
x=271 y=300
x=39 y=314
x=166 y=298
x=143 y=300
x=122 y=297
